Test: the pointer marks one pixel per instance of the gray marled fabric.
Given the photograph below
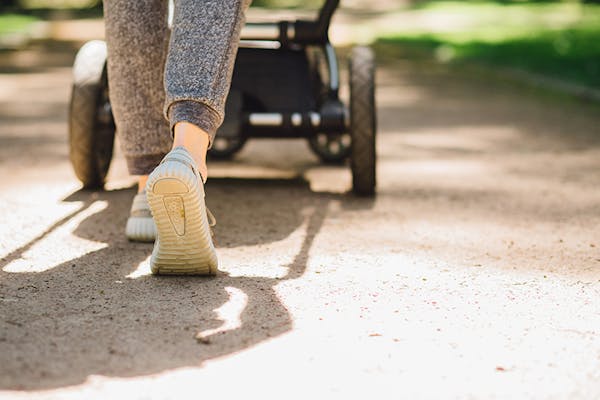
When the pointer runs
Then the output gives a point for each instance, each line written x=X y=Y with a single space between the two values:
x=184 y=78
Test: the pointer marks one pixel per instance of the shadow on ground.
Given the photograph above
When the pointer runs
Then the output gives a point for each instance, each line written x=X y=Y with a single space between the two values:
x=39 y=56
x=459 y=155
x=85 y=316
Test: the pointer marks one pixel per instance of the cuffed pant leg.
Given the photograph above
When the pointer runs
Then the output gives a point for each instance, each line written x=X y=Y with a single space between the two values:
x=137 y=37
x=203 y=46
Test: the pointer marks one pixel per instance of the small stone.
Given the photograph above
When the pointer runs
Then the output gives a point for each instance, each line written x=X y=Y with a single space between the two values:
x=202 y=339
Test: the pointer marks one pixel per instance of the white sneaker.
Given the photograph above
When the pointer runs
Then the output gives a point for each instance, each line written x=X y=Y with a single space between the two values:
x=140 y=225
x=175 y=194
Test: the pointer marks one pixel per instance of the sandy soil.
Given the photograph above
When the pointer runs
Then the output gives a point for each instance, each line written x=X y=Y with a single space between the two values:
x=474 y=274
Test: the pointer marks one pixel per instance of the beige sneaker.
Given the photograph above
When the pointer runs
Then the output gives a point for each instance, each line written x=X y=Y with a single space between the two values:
x=175 y=194
x=140 y=225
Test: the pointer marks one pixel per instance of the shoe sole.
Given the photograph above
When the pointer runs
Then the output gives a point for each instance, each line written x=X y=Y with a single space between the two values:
x=140 y=229
x=184 y=245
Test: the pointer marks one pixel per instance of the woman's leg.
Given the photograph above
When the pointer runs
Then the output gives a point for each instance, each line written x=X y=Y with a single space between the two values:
x=137 y=37
x=197 y=77
x=204 y=41
x=203 y=45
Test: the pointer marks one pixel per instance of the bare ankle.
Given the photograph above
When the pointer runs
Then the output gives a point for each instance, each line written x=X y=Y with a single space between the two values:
x=142 y=183
x=195 y=141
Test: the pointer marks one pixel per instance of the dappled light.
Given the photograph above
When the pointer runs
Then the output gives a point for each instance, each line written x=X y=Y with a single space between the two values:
x=229 y=313
x=472 y=273
x=45 y=254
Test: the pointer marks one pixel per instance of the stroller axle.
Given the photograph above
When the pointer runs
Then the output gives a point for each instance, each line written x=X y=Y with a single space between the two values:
x=295 y=124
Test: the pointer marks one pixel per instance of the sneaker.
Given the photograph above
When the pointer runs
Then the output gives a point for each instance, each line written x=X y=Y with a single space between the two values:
x=140 y=225
x=175 y=192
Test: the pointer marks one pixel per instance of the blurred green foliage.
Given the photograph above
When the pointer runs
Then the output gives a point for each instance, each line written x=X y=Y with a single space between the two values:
x=28 y=5
x=59 y=4
x=10 y=23
x=74 y=4
x=560 y=40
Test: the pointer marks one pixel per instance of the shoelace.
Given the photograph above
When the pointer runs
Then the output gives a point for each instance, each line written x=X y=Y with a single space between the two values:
x=212 y=221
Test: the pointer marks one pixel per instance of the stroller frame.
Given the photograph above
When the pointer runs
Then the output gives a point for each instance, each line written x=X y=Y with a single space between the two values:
x=293 y=37
x=285 y=84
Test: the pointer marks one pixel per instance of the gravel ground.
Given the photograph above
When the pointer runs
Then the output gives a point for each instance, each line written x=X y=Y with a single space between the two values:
x=474 y=274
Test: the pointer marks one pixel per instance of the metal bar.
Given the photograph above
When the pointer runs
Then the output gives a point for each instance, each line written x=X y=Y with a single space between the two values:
x=260 y=31
x=265 y=119
x=332 y=65
x=297 y=120
x=294 y=124
x=260 y=44
x=325 y=15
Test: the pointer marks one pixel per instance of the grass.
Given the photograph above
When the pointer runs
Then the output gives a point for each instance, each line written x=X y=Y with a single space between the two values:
x=557 y=40
x=15 y=23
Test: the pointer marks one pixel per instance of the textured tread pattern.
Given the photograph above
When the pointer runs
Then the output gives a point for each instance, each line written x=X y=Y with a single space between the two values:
x=91 y=131
x=140 y=229
x=177 y=251
x=362 y=120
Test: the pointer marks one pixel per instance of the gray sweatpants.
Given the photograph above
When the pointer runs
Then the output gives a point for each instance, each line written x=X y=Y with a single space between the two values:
x=158 y=78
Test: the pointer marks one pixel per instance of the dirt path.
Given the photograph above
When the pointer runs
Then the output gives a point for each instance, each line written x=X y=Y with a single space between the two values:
x=474 y=274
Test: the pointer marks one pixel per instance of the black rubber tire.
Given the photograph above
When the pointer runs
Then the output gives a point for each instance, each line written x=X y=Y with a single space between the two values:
x=362 y=120
x=233 y=145
x=229 y=139
x=91 y=124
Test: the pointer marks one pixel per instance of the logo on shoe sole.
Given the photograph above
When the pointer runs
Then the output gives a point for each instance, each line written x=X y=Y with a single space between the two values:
x=176 y=213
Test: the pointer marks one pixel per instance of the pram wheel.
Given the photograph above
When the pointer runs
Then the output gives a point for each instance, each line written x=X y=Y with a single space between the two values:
x=224 y=148
x=331 y=148
x=362 y=120
x=91 y=124
x=229 y=140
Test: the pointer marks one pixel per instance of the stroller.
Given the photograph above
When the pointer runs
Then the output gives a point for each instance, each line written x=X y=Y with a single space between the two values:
x=285 y=84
